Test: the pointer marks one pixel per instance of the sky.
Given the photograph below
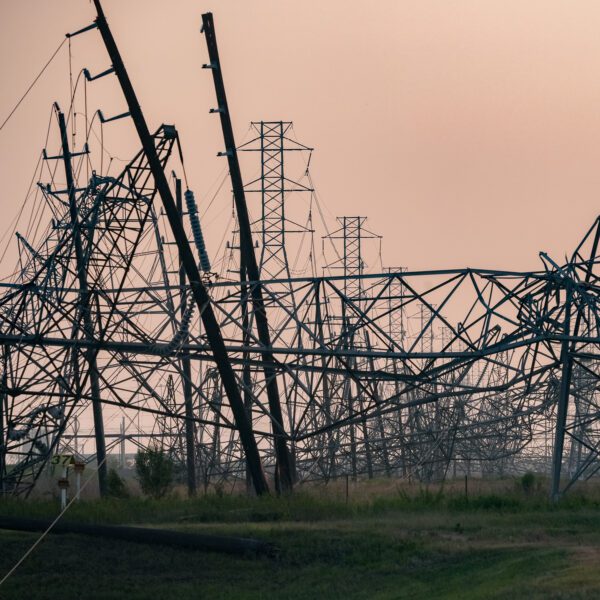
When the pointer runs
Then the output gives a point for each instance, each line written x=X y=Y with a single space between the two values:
x=468 y=132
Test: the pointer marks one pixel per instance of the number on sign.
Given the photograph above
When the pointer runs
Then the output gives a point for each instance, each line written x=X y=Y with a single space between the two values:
x=64 y=460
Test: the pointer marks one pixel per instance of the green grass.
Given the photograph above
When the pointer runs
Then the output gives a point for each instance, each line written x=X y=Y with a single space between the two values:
x=326 y=563
x=301 y=506
x=397 y=545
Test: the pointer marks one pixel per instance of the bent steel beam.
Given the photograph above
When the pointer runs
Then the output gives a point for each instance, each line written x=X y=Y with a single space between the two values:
x=211 y=326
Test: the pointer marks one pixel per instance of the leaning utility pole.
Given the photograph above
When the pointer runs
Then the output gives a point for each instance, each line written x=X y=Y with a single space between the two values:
x=2 y=413
x=284 y=470
x=85 y=314
x=211 y=326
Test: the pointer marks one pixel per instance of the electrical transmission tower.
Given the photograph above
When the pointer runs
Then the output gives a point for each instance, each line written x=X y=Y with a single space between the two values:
x=278 y=154
x=350 y=262
x=274 y=185
x=111 y=313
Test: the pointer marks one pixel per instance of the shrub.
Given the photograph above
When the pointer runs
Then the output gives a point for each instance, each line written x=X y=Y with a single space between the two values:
x=494 y=502
x=155 y=471
x=116 y=486
x=528 y=482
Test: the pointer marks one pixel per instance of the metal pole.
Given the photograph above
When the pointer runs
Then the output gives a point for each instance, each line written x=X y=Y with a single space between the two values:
x=63 y=489
x=186 y=367
x=78 y=467
x=84 y=306
x=285 y=475
x=122 y=444
x=563 y=401
x=211 y=326
x=76 y=435
x=2 y=411
x=246 y=376
x=331 y=462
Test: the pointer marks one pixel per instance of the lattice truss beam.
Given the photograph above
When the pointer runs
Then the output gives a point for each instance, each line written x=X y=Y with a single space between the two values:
x=402 y=372
x=472 y=372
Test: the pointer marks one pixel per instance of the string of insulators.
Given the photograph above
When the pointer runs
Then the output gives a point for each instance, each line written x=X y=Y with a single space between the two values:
x=182 y=333
x=192 y=210
x=184 y=327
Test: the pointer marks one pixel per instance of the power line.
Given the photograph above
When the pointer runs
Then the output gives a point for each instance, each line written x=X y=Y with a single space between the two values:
x=12 y=112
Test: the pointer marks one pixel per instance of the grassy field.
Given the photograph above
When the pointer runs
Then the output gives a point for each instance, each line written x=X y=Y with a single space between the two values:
x=384 y=542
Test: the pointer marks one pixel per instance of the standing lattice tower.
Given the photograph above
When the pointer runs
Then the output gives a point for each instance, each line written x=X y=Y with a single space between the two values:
x=274 y=142
x=358 y=444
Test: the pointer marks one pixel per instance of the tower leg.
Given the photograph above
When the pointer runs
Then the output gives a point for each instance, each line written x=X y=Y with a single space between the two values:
x=563 y=405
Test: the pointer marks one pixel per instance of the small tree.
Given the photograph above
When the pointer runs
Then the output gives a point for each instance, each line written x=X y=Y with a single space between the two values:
x=528 y=482
x=155 y=471
x=116 y=485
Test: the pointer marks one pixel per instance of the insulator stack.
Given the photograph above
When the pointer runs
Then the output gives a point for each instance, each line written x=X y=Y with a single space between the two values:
x=192 y=210
x=182 y=333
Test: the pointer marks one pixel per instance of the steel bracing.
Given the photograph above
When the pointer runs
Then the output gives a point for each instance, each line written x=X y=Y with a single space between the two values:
x=419 y=374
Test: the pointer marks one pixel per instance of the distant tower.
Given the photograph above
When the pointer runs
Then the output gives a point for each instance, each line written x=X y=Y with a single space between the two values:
x=397 y=314
x=273 y=142
x=350 y=262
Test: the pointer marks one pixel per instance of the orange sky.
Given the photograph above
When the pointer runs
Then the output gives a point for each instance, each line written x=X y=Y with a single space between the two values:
x=467 y=131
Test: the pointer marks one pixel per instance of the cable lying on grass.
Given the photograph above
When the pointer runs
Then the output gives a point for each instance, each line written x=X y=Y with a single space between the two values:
x=194 y=541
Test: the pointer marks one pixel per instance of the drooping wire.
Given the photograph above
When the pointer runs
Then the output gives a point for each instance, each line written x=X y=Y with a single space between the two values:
x=223 y=180
x=91 y=129
x=9 y=233
x=47 y=531
x=185 y=178
x=12 y=112
x=88 y=161
x=71 y=95
x=35 y=217
x=323 y=221
x=37 y=172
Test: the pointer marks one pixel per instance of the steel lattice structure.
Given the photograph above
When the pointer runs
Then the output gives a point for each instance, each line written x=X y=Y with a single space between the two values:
x=398 y=373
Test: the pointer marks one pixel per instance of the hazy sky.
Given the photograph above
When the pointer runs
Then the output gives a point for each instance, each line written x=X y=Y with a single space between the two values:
x=467 y=131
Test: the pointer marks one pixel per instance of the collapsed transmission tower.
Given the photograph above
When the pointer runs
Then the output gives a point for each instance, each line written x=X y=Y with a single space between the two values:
x=113 y=312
